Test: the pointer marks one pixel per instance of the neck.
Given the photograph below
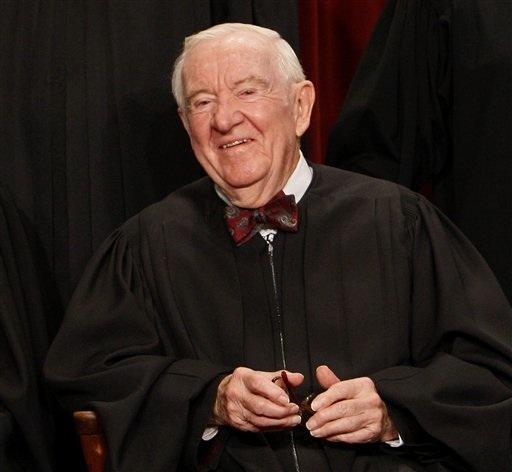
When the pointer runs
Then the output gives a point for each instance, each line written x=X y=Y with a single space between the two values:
x=252 y=199
x=261 y=193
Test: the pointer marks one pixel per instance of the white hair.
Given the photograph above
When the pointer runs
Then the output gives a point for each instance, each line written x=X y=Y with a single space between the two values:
x=287 y=60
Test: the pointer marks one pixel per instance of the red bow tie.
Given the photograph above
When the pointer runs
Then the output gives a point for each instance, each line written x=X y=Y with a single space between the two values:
x=279 y=213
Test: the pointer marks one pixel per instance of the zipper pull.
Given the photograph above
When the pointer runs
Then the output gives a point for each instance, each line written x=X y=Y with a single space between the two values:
x=269 y=238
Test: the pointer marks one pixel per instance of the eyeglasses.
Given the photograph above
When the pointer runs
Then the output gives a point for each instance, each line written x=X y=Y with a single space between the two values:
x=305 y=410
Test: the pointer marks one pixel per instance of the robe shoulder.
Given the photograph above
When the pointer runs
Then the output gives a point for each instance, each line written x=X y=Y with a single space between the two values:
x=190 y=201
x=341 y=185
x=349 y=183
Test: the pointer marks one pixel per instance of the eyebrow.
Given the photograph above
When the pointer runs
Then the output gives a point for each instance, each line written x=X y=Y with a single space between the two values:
x=252 y=79
x=246 y=80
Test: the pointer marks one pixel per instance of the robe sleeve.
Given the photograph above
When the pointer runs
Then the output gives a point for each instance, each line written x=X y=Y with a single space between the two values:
x=393 y=121
x=457 y=390
x=109 y=356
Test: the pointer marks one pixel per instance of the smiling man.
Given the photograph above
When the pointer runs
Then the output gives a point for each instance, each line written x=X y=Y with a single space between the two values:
x=278 y=315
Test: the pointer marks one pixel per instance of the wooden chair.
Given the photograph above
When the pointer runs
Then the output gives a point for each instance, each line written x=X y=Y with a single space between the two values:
x=92 y=440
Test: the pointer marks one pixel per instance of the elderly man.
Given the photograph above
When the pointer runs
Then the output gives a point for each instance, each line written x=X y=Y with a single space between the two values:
x=355 y=288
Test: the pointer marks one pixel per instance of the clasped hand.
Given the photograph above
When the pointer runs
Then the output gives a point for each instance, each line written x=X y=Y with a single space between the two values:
x=347 y=411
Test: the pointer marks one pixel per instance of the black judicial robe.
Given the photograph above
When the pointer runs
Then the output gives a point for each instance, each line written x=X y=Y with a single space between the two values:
x=390 y=289
x=27 y=432
x=432 y=102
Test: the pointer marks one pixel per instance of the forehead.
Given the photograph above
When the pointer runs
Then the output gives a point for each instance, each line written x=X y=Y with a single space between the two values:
x=229 y=60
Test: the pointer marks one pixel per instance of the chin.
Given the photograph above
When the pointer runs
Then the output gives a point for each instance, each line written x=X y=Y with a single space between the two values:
x=243 y=179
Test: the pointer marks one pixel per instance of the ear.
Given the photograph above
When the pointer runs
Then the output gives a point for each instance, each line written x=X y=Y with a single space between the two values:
x=184 y=119
x=304 y=100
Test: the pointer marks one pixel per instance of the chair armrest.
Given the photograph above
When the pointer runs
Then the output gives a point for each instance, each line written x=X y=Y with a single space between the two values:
x=94 y=448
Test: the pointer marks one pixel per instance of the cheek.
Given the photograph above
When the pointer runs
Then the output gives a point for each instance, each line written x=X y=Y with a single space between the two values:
x=199 y=130
x=279 y=123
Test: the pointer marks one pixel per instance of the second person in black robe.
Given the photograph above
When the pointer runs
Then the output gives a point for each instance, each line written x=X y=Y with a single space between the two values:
x=432 y=103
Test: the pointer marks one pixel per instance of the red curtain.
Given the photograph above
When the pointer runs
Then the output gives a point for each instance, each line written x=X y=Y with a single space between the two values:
x=333 y=35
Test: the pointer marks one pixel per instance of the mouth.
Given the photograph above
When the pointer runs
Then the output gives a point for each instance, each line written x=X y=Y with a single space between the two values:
x=236 y=142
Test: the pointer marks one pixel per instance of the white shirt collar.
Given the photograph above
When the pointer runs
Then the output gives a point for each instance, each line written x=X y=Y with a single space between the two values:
x=296 y=185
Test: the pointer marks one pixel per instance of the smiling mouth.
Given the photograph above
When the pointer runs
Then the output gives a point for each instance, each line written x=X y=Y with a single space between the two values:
x=235 y=143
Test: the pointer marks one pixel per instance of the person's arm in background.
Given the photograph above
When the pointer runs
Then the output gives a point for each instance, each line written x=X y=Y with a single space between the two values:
x=393 y=123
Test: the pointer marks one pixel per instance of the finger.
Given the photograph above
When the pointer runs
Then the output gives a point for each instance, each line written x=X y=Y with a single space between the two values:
x=335 y=393
x=361 y=436
x=265 y=423
x=340 y=426
x=326 y=377
x=260 y=383
x=295 y=378
x=255 y=411
x=342 y=409
x=287 y=380
x=344 y=390
x=261 y=406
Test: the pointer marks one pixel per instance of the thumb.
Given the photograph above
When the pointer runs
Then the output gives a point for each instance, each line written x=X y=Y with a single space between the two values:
x=295 y=378
x=326 y=377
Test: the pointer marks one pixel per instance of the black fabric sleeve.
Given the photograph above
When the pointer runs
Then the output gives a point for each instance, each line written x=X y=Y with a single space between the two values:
x=393 y=123
x=109 y=356
x=458 y=389
x=207 y=456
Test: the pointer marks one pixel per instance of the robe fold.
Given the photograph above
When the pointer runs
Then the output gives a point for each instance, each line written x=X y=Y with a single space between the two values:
x=385 y=286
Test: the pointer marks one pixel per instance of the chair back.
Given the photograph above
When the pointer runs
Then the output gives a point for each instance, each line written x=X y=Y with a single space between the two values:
x=92 y=440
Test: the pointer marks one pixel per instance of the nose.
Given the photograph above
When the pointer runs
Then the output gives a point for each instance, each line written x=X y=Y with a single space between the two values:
x=226 y=115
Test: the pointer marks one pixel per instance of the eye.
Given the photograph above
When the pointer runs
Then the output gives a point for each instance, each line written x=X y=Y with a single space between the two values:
x=201 y=104
x=247 y=93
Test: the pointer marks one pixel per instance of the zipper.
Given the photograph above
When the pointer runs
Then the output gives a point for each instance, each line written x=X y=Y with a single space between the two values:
x=269 y=238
